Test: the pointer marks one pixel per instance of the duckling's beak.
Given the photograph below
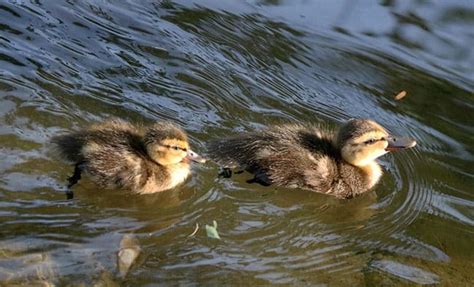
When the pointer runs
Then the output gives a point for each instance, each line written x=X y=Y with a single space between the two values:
x=195 y=157
x=398 y=143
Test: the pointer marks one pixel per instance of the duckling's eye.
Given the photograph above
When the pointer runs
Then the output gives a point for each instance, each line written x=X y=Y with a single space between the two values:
x=175 y=147
x=371 y=141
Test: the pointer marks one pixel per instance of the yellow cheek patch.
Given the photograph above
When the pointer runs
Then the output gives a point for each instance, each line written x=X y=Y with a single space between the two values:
x=170 y=159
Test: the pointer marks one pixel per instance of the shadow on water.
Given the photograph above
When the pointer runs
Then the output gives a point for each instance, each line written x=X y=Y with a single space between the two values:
x=219 y=68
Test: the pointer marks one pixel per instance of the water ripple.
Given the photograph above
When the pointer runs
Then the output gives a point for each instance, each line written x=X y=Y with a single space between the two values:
x=220 y=68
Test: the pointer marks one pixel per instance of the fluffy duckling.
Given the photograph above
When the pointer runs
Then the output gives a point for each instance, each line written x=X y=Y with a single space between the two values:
x=341 y=164
x=117 y=154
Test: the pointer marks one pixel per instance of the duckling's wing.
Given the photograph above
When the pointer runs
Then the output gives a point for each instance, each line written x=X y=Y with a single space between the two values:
x=304 y=159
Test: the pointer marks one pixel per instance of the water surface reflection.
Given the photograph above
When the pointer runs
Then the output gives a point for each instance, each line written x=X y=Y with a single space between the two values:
x=221 y=67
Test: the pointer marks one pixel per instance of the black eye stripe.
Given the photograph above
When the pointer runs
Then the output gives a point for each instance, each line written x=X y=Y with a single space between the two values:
x=371 y=141
x=174 y=147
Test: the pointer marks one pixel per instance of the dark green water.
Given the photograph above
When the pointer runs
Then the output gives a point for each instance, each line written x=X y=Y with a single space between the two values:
x=219 y=68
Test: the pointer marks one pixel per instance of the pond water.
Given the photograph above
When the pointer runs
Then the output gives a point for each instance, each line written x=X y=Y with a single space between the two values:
x=219 y=68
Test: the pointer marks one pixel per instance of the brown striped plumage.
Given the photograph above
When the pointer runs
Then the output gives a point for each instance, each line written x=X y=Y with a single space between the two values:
x=117 y=154
x=300 y=156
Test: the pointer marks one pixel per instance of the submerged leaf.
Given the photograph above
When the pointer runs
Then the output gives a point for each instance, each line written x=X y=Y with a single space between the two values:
x=212 y=230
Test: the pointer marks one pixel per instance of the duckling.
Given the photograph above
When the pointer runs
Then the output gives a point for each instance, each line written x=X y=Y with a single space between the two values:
x=340 y=163
x=117 y=154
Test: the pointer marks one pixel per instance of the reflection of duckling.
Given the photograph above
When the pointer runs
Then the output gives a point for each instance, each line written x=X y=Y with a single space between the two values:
x=117 y=154
x=340 y=164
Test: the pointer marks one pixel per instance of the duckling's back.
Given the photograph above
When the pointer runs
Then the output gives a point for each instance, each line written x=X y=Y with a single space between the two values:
x=113 y=132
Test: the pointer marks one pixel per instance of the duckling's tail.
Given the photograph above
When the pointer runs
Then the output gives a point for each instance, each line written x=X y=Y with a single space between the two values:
x=69 y=146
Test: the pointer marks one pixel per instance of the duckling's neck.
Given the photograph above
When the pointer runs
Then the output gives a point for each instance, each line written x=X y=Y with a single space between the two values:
x=178 y=172
x=373 y=172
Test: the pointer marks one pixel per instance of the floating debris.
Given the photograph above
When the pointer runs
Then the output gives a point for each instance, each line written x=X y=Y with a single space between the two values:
x=129 y=251
x=212 y=230
x=195 y=230
x=400 y=95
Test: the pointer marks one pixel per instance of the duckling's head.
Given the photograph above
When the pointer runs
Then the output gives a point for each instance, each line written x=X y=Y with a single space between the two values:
x=167 y=144
x=361 y=141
